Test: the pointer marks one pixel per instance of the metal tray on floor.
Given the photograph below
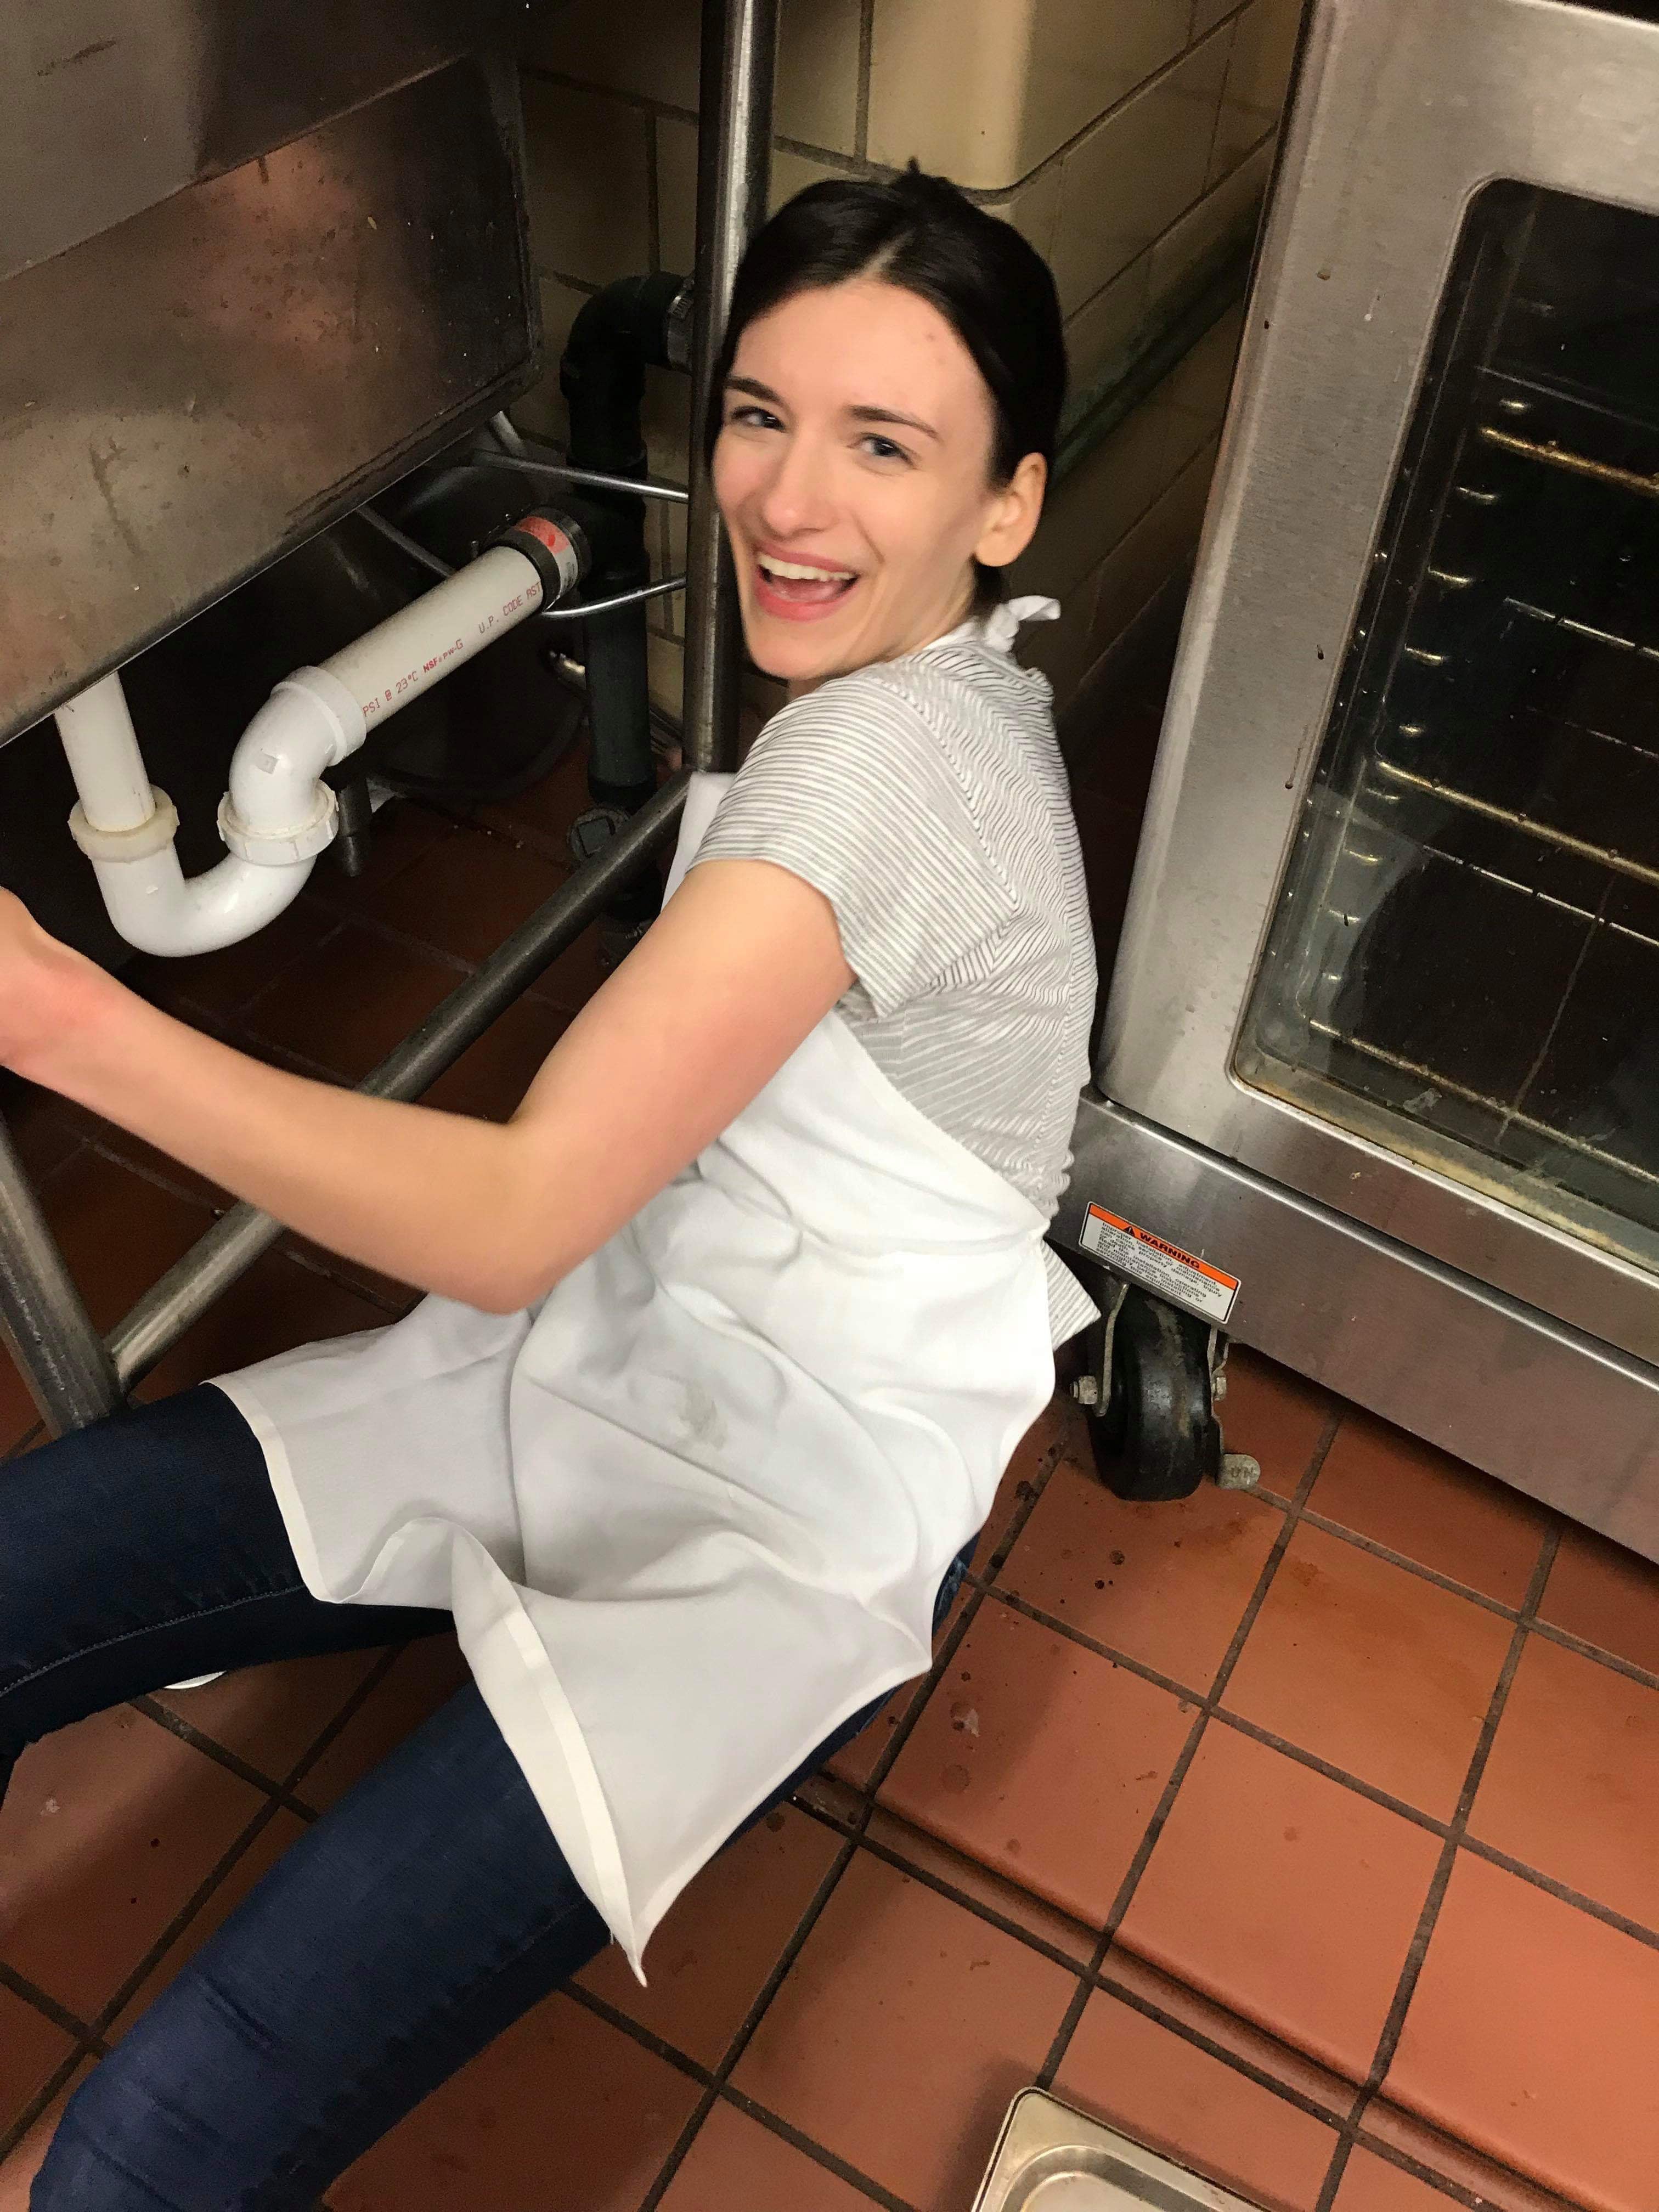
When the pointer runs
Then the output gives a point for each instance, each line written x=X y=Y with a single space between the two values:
x=1050 y=2159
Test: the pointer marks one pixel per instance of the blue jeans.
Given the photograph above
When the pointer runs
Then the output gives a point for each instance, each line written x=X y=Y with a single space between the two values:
x=414 y=1922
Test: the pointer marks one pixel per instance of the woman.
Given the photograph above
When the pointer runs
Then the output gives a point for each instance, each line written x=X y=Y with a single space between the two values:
x=732 y=1332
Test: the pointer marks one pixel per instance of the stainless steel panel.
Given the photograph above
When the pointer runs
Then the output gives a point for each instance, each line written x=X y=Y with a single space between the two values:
x=1500 y=1384
x=113 y=105
x=192 y=392
x=1403 y=111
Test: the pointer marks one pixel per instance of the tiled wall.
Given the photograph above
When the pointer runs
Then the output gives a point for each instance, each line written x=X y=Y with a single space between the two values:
x=1126 y=138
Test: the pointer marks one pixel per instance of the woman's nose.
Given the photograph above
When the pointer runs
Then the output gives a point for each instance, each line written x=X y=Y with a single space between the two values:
x=796 y=496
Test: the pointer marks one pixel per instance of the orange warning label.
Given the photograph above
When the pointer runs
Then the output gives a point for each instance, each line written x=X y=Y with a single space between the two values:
x=1151 y=1260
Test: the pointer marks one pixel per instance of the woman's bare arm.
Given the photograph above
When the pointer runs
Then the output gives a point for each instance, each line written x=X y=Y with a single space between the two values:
x=744 y=964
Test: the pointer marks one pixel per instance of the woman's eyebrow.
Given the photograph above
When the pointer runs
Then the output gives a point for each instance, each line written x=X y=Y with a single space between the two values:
x=890 y=415
x=755 y=390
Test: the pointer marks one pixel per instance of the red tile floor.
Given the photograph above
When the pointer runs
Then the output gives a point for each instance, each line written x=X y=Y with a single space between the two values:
x=1308 y=1835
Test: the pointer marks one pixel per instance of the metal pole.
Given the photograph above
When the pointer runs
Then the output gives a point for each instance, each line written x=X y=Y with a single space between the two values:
x=734 y=154
x=48 y=1330
x=230 y=1248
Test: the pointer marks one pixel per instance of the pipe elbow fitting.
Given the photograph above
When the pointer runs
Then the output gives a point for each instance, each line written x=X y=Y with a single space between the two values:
x=277 y=811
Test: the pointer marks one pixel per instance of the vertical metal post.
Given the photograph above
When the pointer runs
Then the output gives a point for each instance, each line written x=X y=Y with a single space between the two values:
x=734 y=158
x=48 y=1330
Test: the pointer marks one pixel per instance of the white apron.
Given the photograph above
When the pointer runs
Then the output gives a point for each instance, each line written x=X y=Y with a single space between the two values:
x=691 y=1512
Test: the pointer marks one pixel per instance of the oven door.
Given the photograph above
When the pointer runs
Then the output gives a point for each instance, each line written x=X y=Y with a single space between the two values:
x=1393 y=943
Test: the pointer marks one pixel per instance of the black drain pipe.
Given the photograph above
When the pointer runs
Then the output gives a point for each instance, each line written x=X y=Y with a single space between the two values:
x=619 y=333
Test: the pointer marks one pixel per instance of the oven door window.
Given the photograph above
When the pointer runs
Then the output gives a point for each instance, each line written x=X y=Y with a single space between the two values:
x=1464 y=962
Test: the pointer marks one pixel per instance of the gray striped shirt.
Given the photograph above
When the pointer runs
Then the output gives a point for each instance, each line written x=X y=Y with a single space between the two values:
x=926 y=800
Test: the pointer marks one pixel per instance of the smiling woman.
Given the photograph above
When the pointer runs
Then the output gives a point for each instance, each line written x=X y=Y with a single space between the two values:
x=732 y=1331
x=891 y=380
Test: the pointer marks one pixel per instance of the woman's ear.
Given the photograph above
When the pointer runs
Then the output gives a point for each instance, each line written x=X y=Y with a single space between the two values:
x=1014 y=514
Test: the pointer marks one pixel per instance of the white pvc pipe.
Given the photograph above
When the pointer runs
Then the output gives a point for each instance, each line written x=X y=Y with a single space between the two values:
x=424 y=641
x=277 y=814
x=104 y=756
x=159 y=909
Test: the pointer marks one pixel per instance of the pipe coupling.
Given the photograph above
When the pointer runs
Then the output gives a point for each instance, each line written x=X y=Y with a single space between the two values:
x=280 y=848
x=136 y=844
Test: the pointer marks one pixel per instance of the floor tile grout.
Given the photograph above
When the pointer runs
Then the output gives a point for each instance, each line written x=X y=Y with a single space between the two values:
x=637 y=2031
x=163 y=1717
x=1379 y=1550
x=349 y=1711
x=819 y=2153
x=1646 y=1676
x=958 y=1629
x=1411 y=1970
x=1239 y=1722
x=1459 y=2192
x=62 y=2074
x=1171 y=1790
x=279 y=1798
x=31 y=1993
x=113 y=2006
x=1534 y=1878
x=741 y=2036
x=1344 y=2116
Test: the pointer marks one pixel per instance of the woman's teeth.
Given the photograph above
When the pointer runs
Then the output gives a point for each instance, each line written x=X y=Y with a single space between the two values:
x=801 y=582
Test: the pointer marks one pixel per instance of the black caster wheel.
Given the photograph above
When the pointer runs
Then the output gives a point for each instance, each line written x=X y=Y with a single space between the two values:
x=1154 y=1432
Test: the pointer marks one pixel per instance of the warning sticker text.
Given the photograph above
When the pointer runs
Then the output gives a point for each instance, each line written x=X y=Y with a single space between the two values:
x=1160 y=1265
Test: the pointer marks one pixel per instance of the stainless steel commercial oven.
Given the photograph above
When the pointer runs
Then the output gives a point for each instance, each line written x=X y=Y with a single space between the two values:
x=1377 y=1090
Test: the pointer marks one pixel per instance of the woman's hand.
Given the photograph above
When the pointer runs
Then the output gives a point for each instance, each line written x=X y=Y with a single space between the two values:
x=45 y=988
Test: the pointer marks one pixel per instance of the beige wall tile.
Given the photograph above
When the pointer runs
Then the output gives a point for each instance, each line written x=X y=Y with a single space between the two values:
x=1138 y=171
x=1263 y=46
x=1193 y=396
x=1094 y=506
x=677 y=186
x=1164 y=538
x=1222 y=214
x=1099 y=330
x=677 y=192
x=984 y=90
x=1087 y=55
x=793 y=173
x=1033 y=208
x=588 y=187
x=1207 y=14
x=947 y=84
x=649 y=48
x=818 y=72
x=646 y=47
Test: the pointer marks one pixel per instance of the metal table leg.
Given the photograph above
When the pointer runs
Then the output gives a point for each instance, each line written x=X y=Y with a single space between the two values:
x=734 y=160
x=48 y=1330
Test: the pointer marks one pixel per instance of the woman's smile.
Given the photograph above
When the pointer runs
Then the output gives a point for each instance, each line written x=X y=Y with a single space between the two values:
x=793 y=589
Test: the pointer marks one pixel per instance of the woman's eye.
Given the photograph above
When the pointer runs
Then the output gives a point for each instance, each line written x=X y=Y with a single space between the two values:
x=883 y=449
x=755 y=418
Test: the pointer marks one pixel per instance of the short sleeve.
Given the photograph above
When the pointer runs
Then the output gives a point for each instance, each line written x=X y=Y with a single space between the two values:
x=853 y=790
